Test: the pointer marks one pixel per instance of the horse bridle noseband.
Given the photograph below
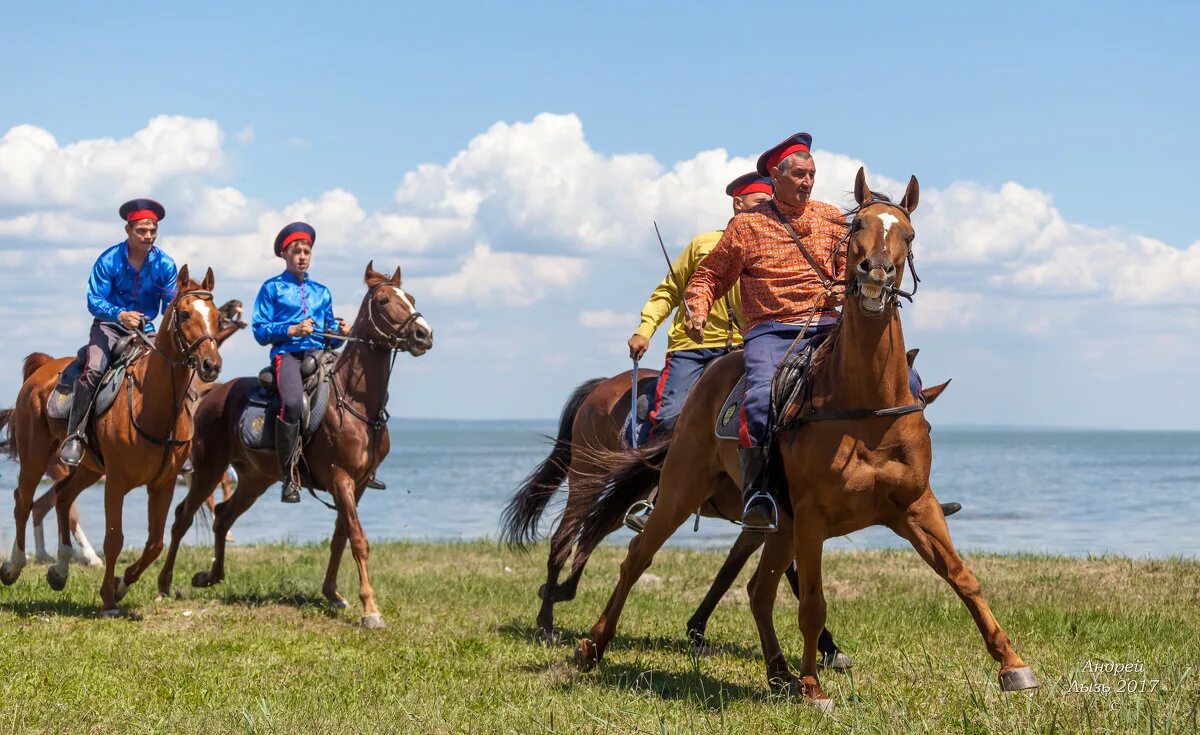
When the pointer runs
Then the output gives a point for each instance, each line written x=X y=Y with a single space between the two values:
x=399 y=340
x=187 y=351
x=892 y=290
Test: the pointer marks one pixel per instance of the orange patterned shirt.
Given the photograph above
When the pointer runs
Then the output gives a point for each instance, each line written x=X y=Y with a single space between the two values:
x=778 y=284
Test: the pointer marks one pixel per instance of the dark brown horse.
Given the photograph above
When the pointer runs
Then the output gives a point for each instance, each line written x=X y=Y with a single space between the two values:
x=229 y=323
x=343 y=453
x=859 y=455
x=142 y=440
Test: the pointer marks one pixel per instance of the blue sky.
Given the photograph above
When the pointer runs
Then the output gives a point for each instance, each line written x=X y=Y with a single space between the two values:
x=510 y=156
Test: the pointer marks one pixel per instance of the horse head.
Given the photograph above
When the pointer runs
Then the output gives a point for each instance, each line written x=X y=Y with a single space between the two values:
x=877 y=245
x=190 y=326
x=389 y=314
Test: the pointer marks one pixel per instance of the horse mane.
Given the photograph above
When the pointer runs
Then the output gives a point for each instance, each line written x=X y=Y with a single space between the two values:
x=33 y=361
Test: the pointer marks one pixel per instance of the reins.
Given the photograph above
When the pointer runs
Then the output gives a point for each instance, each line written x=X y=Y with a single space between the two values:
x=188 y=360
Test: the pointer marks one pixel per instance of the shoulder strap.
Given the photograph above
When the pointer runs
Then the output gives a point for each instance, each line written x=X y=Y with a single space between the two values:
x=812 y=262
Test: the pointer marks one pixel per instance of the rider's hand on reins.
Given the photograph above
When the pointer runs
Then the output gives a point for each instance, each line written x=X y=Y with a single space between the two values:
x=303 y=329
x=131 y=319
x=341 y=325
x=694 y=327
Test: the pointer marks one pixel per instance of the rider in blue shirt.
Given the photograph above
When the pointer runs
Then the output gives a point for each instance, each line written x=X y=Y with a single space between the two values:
x=291 y=313
x=130 y=284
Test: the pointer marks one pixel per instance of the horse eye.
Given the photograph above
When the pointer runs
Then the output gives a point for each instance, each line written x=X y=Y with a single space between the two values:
x=185 y=315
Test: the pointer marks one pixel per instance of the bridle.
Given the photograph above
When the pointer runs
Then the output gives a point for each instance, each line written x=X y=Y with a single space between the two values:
x=188 y=351
x=892 y=290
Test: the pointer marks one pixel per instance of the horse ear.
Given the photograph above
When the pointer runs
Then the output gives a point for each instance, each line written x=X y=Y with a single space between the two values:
x=911 y=195
x=911 y=355
x=182 y=279
x=370 y=274
x=861 y=192
x=931 y=394
x=396 y=276
x=209 y=281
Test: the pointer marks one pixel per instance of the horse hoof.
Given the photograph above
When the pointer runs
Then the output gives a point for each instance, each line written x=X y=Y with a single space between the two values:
x=548 y=637
x=824 y=705
x=7 y=576
x=586 y=655
x=836 y=661
x=339 y=604
x=122 y=590
x=202 y=579
x=87 y=560
x=374 y=621
x=1015 y=680
x=56 y=581
x=110 y=613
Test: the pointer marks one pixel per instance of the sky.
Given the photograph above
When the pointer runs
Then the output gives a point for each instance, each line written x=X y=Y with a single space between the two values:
x=510 y=158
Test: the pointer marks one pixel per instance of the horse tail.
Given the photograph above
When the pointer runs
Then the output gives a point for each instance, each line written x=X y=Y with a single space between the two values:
x=8 y=444
x=519 y=521
x=601 y=501
x=33 y=361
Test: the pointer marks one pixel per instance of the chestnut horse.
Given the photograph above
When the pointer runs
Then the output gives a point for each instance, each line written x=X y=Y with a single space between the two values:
x=589 y=437
x=229 y=323
x=858 y=454
x=341 y=456
x=142 y=440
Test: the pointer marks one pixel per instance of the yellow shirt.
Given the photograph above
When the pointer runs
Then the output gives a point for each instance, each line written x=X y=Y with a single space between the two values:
x=668 y=296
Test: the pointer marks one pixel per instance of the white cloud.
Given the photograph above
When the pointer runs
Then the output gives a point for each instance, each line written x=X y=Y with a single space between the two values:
x=945 y=309
x=245 y=135
x=35 y=171
x=607 y=319
x=516 y=279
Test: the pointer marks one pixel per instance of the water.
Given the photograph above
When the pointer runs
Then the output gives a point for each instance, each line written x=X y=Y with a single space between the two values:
x=1023 y=490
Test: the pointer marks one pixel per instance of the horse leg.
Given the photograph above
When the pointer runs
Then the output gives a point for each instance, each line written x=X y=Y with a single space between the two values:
x=65 y=491
x=832 y=656
x=763 y=589
x=199 y=492
x=347 y=505
x=743 y=548
x=337 y=546
x=550 y=591
x=114 y=540
x=84 y=553
x=924 y=526
x=32 y=467
x=41 y=508
x=809 y=543
x=673 y=508
x=158 y=505
x=248 y=490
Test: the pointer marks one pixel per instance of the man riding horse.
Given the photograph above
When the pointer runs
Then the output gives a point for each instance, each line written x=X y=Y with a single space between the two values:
x=131 y=282
x=687 y=358
x=291 y=313
x=785 y=253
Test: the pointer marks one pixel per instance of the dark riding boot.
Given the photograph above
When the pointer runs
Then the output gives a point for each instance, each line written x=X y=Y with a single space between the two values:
x=375 y=484
x=71 y=452
x=760 y=513
x=287 y=444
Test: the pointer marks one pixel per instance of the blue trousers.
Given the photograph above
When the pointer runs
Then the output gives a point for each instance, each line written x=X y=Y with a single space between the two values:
x=766 y=346
x=681 y=371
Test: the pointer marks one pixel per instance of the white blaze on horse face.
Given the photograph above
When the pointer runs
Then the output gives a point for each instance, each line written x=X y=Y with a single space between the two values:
x=888 y=220
x=202 y=307
x=412 y=308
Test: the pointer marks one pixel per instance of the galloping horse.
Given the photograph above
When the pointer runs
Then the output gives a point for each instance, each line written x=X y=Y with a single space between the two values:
x=229 y=323
x=142 y=440
x=344 y=451
x=589 y=437
x=857 y=454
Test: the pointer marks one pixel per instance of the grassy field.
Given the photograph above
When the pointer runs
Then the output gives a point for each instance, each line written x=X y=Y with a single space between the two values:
x=263 y=654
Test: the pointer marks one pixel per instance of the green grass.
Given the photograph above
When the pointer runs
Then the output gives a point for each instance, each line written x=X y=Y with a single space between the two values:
x=262 y=653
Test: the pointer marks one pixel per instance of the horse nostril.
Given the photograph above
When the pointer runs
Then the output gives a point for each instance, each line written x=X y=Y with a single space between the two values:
x=864 y=265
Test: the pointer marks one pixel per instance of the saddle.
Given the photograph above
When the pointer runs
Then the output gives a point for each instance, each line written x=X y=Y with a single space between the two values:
x=256 y=428
x=790 y=390
x=125 y=352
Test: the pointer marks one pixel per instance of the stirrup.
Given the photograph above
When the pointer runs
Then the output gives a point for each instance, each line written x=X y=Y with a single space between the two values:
x=772 y=523
x=635 y=517
x=289 y=497
x=71 y=458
